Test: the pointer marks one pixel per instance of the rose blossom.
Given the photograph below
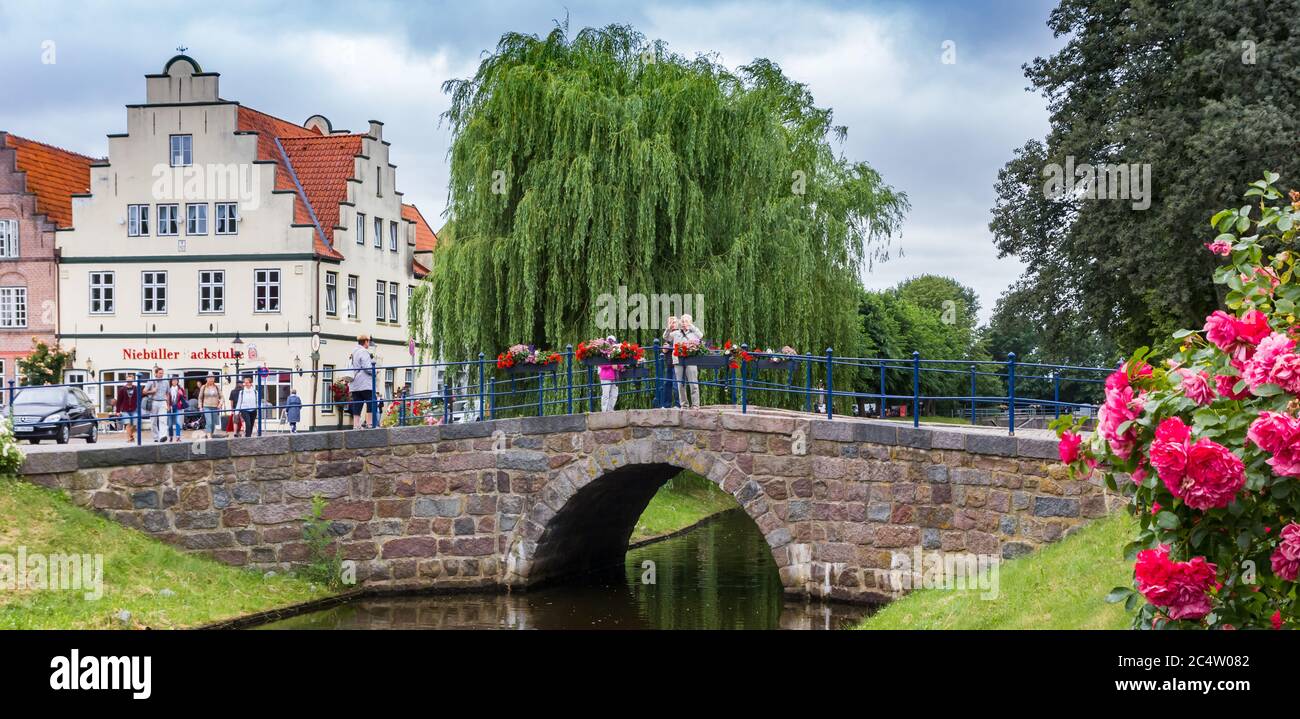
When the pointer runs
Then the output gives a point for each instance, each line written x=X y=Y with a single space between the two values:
x=1259 y=369
x=1276 y=619
x=1286 y=558
x=1180 y=587
x=1169 y=450
x=1204 y=474
x=1223 y=384
x=1236 y=337
x=1279 y=435
x=1214 y=476
x=1121 y=406
x=1222 y=248
x=1069 y=447
x=1197 y=386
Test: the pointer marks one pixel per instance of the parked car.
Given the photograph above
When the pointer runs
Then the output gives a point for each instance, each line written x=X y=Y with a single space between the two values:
x=58 y=413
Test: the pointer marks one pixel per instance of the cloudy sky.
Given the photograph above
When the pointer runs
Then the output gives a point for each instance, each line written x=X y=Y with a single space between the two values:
x=936 y=130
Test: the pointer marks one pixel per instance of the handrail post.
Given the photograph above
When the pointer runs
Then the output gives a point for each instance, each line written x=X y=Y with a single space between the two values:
x=972 y=394
x=656 y=399
x=541 y=392
x=480 y=386
x=139 y=409
x=374 y=394
x=916 y=388
x=744 y=383
x=1056 y=392
x=880 y=410
x=830 y=387
x=568 y=389
x=591 y=389
x=1011 y=393
x=807 y=392
x=11 y=401
x=259 y=401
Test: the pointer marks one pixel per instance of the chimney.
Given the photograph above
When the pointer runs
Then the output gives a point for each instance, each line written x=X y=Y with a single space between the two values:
x=376 y=130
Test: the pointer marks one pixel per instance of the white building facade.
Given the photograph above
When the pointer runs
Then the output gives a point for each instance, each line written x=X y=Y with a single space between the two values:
x=210 y=221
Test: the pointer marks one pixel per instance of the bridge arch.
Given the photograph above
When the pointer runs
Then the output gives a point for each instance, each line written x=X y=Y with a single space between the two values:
x=584 y=518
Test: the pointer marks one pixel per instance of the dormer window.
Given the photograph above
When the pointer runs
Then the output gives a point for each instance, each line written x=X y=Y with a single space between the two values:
x=182 y=150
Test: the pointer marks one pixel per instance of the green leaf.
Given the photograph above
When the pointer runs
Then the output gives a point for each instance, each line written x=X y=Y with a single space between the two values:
x=1167 y=520
x=1118 y=594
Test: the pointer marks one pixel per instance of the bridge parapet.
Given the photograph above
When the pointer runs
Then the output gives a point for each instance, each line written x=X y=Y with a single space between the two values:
x=518 y=501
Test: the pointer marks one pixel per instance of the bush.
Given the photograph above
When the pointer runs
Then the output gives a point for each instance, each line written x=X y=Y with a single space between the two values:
x=1207 y=444
x=11 y=458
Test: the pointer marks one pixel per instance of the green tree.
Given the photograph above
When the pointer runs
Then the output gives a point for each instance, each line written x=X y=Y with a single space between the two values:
x=44 y=364
x=582 y=164
x=1187 y=88
x=956 y=304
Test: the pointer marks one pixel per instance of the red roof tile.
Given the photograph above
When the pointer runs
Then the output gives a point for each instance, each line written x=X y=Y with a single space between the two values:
x=54 y=175
x=419 y=270
x=268 y=129
x=323 y=165
x=425 y=238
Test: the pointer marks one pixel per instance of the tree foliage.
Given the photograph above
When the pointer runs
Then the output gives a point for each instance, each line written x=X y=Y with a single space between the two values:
x=1203 y=91
x=44 y=364
x=581 y=164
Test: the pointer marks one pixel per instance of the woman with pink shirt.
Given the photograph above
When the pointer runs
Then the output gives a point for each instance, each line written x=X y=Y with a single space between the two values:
x=609 y=383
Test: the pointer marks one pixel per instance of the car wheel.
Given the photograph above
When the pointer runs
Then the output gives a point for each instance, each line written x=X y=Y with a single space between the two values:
x=63 y=434
x=94 y=434
x=33 y=440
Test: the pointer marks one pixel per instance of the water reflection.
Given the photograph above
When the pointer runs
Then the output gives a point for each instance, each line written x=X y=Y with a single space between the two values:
x=718 y=576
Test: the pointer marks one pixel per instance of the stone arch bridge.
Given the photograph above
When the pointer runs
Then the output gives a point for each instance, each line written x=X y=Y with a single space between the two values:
x=516 y=502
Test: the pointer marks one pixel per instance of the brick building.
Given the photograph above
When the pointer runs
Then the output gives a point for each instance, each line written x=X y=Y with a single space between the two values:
x=37 y=184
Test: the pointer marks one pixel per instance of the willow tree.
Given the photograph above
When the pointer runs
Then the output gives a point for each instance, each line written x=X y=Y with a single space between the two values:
x=583 y=164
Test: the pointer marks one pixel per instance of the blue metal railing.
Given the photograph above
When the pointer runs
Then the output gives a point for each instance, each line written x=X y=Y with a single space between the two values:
x=476 y=389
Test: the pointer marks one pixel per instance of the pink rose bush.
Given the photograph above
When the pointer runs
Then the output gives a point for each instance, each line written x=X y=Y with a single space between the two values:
x=1205 y=443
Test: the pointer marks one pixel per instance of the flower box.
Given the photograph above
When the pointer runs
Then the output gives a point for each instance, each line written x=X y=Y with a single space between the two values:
x=528 y=369
x=603 y=361
x=774 y=363
x=708 y=361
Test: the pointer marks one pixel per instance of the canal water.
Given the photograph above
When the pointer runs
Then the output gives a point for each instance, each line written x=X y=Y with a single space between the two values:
x=719 y=575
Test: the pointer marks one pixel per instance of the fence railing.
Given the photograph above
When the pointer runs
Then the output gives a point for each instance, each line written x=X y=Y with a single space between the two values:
x=476 y=390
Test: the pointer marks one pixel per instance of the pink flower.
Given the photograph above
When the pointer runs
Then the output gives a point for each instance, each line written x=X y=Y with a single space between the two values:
x=1169 y=450
x=1222 y=248
x=1181 y=587
x=1237 y=337
x=1279 y=435
x=1276 y=619
x=1223 y=384
x=1214 y=476
x=1259 y=368
x=1197 y=386
x=1155 y=508
x=1204 y=474
x=1069 y=447
x=1120 y=407
x=1286 y=558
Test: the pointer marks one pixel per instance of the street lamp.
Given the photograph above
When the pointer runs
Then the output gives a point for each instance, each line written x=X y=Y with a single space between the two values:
x=239 y=354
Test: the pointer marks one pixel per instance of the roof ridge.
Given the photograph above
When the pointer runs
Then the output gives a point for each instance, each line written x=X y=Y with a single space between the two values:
x=279 y=119
x=56 y=148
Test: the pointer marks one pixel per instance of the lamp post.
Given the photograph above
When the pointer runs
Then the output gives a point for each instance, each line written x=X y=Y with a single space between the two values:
x=239 y=354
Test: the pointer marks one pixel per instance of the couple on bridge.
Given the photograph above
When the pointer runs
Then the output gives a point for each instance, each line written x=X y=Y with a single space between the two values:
x=682 y=330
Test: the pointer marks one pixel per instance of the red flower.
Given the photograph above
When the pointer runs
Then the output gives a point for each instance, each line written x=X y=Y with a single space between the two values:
x=1180 y=587
x=1276 y=619
x=1069 y=447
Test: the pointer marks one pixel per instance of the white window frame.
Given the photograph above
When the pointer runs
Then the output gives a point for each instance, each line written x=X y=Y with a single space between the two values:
x=393 y=302
x=354 y=297
x=227 y=214
x=272 y=288
x=9 y=239
x=196 y=219
x=173 y=220
x=13 y=307
x=381 y=301
x=361 y=228
x=137 y=220
x=392 y=236
x=379 y=232
x=332 y=294
x=215 y=283
x=159 y=291
x=327 y=379
x=106 y=287
x=181 y=147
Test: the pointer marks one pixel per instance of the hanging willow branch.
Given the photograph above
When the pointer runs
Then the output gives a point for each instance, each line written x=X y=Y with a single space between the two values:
x=579 y=165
